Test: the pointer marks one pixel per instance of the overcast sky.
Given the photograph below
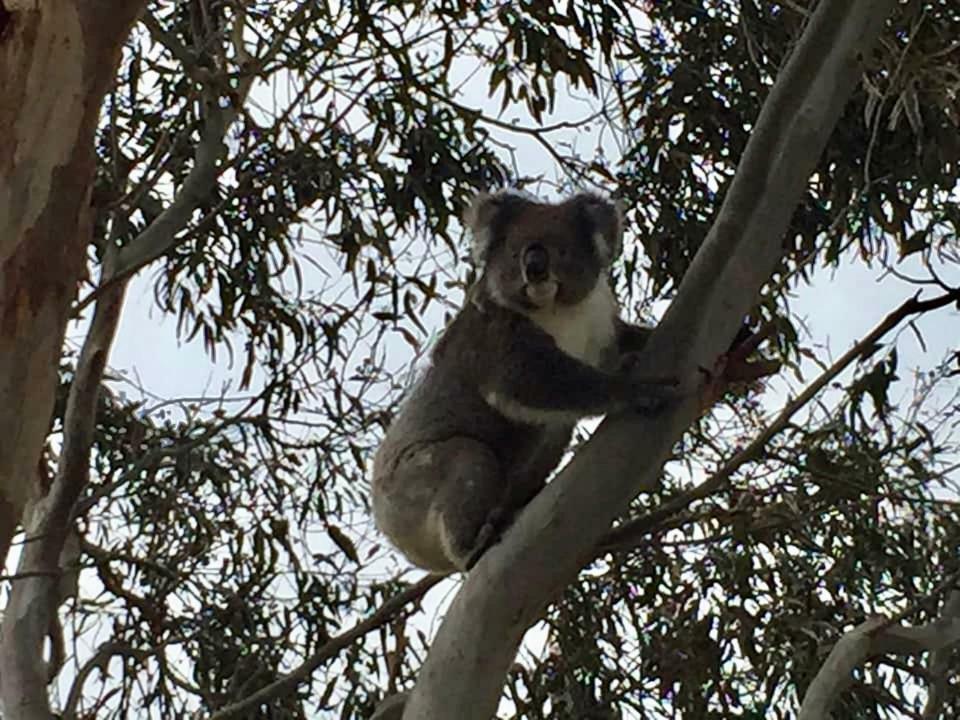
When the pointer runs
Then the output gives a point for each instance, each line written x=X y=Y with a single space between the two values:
x=838 y=308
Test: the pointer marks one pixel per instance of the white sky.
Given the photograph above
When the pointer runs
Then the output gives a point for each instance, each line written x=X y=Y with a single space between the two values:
x=838 y=309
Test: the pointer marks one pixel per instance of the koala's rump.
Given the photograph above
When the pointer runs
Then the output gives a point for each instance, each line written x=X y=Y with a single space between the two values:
x=447 y=435
x=434 y=499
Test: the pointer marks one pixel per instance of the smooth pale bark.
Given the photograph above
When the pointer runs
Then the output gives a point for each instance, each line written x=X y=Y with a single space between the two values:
x=30 y=615
x=57 y=60
x=556 y=534
x=875 y=636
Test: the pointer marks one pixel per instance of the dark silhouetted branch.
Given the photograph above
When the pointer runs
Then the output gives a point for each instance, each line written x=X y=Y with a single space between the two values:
x=560 y=530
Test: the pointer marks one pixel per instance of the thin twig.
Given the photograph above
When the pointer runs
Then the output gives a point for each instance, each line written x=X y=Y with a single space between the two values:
x=627 y=535
x=384 y=614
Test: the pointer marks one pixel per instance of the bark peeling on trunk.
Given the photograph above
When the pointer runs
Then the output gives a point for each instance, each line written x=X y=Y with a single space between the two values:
x=57 y=60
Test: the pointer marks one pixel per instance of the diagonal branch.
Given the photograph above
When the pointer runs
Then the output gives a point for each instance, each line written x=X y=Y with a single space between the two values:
x=162 y=234
x=879 y=635
x=940 y=663
x=627 y=535
x=559 y=531
x=34 y=597
x=286 y=684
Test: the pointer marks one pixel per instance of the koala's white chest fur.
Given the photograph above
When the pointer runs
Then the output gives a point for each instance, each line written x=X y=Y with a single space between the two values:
x=585 y=331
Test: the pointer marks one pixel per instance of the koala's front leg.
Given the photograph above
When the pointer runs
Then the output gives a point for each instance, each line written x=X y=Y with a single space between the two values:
x=732 y=367
x=533 y=381
x=631 y=338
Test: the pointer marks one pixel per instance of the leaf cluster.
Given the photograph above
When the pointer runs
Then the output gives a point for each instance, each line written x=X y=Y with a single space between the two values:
x=226 y=537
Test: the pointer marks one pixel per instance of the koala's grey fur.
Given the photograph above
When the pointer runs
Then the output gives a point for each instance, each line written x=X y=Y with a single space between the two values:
x=391 y=708
x=537 y=346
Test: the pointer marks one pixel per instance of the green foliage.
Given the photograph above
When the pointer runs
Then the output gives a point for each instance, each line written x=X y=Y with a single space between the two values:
x=702 y=73
x=728 y=608
x=227 y=538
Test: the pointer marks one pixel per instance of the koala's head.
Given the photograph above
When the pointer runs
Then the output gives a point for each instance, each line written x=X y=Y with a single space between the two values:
x=535 y=254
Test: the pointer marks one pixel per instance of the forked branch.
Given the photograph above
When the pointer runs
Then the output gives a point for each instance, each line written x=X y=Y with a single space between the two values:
x=630 y=533
x=885 y=636
x=558 y=532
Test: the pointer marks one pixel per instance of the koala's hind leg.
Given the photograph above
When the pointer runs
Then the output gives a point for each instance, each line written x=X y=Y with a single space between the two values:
x=441 y=503
x=468 y=510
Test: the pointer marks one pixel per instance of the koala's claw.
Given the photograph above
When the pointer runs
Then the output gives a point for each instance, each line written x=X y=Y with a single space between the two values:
x=488 y=536
x=738 y=368
x=652 y=388
x=735 y=367
x=715 y=382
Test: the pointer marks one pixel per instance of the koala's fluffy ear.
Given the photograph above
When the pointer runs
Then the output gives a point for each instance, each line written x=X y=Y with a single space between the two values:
x=479 y=217
x=606 y=218
x=483 y=215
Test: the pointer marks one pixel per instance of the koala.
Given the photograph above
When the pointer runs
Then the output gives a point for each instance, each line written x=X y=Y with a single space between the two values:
x=537 y=346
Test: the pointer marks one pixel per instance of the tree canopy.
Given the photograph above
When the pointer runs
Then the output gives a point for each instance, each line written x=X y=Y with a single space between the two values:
x=286 y=179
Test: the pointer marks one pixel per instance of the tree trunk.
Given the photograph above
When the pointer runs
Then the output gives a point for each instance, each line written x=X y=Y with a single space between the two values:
x=57 y=60
x=559 y=531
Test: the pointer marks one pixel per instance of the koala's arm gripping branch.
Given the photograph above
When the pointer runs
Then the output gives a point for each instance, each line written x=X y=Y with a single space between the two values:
x=558 y=531
x=523 y=382
x=631 y=338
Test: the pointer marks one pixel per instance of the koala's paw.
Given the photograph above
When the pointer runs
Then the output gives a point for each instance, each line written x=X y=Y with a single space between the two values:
x=651 y=391
x=734 y=369
x=489 y=535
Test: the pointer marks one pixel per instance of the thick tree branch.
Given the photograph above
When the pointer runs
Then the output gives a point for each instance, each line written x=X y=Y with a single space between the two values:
x=34 y=597
x=559 y=531
x=161 y=235
x=940 y=663
x=384 y=614
x=884 y=636
x=630 y=533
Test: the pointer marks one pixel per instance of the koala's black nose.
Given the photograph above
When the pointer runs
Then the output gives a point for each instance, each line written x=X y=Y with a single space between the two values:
x=536 y=263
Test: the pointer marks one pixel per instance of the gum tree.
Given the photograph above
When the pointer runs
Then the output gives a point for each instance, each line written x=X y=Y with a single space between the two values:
x=286 y=177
